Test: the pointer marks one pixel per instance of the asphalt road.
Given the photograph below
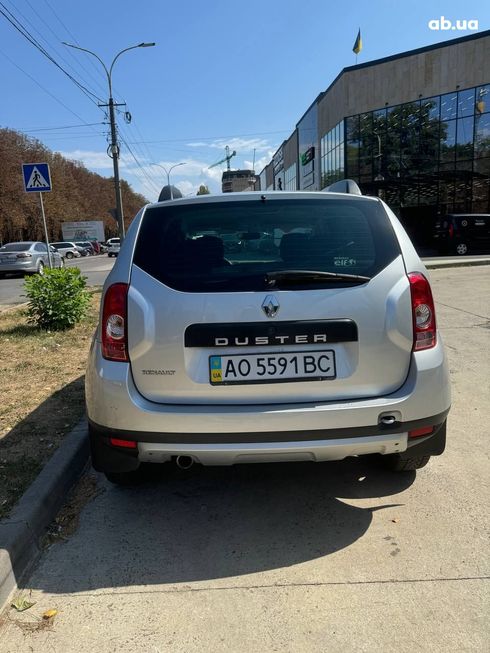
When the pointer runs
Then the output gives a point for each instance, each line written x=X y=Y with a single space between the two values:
x=333 y=557
x=95 y=268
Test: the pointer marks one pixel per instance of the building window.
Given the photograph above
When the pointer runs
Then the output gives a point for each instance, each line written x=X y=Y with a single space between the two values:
x=425 y=158
x=333 y=152
x=290 y=178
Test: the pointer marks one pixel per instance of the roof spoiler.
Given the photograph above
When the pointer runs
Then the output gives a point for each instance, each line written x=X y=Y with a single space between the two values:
x=344 y=186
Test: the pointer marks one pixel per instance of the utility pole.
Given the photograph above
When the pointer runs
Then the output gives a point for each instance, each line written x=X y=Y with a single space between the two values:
x=113 y=152
x=113 y=149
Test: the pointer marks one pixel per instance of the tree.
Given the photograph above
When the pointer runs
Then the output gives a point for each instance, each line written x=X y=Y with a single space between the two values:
x=78 y=193
x=203 y=190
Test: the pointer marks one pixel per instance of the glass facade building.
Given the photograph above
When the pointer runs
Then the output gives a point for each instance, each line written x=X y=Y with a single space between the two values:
x=332 y=155
x=425 y=158
x=290 y=178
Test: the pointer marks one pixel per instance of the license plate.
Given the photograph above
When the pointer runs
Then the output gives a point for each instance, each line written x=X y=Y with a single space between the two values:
x=7 y=259
x=272 y=368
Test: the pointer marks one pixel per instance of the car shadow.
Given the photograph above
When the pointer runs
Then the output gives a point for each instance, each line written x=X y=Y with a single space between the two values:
x=213 y=523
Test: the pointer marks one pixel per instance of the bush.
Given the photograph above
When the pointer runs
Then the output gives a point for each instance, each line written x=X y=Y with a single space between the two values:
x=57 y=299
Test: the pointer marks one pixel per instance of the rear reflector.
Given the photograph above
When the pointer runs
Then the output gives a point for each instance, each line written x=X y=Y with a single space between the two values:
x=127 y=444
x=114 y=323
x=416 y=433
x=423 y=312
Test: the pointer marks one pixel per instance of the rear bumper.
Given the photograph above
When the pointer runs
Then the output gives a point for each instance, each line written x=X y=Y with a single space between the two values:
x=224 y=434
x=274 y=447
x=28 y=266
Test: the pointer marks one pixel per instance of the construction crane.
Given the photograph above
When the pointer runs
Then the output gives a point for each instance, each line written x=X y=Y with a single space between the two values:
x=227 y=159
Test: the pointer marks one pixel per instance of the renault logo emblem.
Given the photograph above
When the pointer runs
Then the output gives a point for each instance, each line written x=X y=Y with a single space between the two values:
x=270 y=306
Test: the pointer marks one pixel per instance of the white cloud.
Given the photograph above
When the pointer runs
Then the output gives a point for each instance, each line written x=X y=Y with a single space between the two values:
x=236 y=143
x=95 y=159
x=259 y=163
x=148 y=179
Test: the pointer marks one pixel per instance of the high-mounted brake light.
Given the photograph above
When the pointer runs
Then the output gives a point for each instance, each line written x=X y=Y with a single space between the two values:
x=114 y=323
x=423 y=312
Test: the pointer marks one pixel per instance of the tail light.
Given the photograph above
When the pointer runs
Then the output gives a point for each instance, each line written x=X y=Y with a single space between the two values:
x=451 y=231
x=24 y=255
x=114 y=323
x=423 y=312
x=125 y=444
x=417 y=433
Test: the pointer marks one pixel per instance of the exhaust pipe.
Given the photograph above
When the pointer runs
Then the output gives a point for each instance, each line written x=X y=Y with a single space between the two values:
x=184 y=462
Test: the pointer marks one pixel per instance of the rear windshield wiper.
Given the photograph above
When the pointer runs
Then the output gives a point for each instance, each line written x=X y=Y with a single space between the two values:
x=306 y=276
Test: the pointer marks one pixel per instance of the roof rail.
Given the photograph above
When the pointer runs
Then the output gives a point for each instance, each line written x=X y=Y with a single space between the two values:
x=344 y=186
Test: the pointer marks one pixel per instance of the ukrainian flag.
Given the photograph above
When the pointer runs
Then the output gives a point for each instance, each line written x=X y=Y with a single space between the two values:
x=358 y=44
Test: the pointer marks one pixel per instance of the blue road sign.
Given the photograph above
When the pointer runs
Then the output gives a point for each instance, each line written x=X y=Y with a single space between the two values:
x=36 y=177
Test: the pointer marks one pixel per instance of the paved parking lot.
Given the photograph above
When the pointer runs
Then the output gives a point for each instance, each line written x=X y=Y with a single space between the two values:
x=293 y=557
x=95 y=268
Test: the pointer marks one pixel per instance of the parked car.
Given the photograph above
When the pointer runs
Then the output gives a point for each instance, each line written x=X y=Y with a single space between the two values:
x=85 y=246
x=113 y=246
x=28 y=257
x=322 y=347
x=67 y=249
x=463 y=233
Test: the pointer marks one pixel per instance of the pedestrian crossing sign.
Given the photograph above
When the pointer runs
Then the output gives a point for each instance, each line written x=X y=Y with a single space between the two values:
x=36 y=177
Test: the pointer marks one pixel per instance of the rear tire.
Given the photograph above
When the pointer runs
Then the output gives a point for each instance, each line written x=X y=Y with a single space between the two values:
x=399 y=463
x=462 y=249
x=69 y=254
x=126 y=479
x=40 y=268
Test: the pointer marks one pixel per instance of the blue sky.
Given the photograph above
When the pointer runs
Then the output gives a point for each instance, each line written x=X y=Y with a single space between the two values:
x=222 y=73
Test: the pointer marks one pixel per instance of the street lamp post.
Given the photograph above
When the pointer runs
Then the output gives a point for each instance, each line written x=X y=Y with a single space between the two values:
x=114 y=146
x=167 y=172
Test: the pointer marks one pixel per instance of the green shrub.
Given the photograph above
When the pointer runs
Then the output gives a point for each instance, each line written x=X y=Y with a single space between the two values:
x=58 y=299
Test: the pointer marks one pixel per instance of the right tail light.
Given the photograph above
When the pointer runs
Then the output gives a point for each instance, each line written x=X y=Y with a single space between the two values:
x=423 y=312
x=114 y=323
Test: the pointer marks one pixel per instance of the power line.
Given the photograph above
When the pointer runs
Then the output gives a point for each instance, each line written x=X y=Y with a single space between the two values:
x=48 y=129
x=17 y=24
x=156 y=188
x=59 y=40
x=29 y=37
x=45 y=89
x=87 y=56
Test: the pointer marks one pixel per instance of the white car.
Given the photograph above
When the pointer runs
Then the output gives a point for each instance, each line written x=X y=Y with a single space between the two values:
x=113 y=246
x=320 y=347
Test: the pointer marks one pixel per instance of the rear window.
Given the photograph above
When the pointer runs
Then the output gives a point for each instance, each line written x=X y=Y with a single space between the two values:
x=231 y=246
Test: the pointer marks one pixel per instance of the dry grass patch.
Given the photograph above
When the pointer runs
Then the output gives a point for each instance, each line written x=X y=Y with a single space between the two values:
x=41 y=395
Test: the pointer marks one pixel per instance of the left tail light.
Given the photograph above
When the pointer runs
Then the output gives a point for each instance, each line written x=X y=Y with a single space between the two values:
x=114 y=323
x=423 y=312
x=24 y=255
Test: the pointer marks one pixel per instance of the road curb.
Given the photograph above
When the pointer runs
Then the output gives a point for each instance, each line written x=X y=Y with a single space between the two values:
x=439 y=265
x=20 y=534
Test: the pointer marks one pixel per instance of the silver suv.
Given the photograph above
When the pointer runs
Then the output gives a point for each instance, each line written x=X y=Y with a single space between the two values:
x=321 y=346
